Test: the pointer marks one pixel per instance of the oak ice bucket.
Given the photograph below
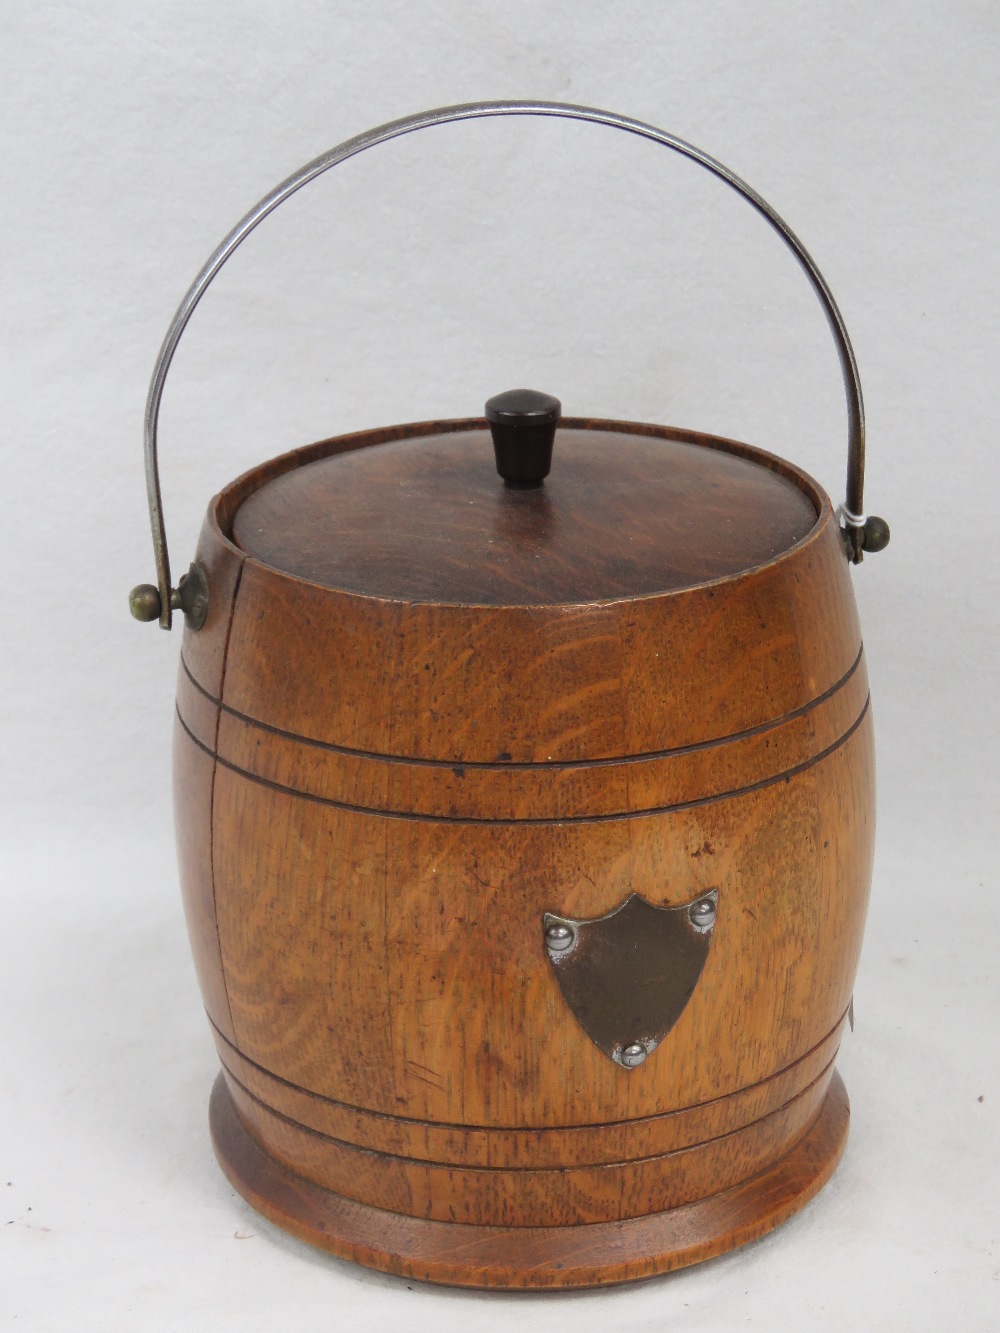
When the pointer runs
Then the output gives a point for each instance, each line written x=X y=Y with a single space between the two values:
x=524 y=822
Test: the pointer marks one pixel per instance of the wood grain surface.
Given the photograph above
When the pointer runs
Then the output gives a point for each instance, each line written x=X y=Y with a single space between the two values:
x=531 y=1258
x=544 y=1146
x=531 y=1196
x=378 y=798
x=428 y=519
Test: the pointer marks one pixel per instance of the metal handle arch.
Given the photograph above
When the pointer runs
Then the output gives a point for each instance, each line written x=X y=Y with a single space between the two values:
x=160 y=602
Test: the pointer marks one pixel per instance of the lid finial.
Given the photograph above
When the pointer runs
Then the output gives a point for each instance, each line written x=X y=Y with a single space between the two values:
x=523 y=425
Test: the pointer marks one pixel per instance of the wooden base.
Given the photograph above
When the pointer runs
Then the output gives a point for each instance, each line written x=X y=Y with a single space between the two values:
x=591 y=1255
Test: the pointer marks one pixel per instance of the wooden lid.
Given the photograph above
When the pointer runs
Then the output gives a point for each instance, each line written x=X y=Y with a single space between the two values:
x=419 y=514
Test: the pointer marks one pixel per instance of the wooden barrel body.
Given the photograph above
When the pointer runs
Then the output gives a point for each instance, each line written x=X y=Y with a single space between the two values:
x=380 y=799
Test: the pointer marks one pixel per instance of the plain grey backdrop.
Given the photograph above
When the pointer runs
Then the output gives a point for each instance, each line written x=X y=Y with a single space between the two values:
x=414 y=282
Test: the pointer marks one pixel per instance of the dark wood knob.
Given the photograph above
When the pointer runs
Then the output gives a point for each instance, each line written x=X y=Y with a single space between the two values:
x=523 y=425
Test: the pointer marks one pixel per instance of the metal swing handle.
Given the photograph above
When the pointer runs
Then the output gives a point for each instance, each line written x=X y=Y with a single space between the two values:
x=860 y=534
